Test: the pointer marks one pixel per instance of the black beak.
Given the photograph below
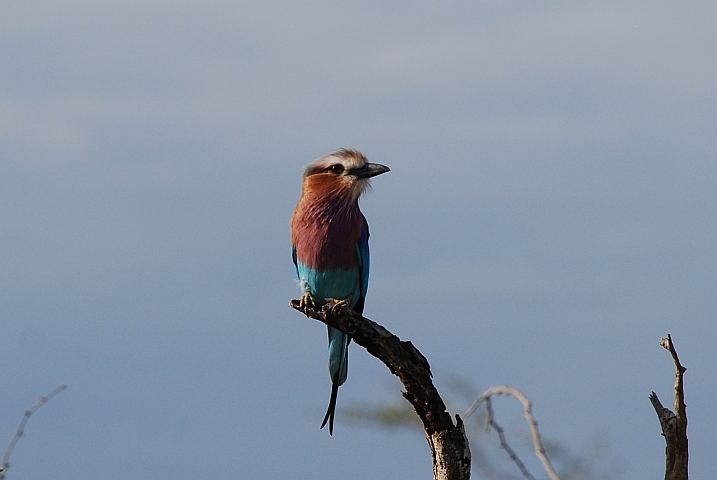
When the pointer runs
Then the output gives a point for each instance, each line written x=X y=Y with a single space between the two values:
x=370 y=170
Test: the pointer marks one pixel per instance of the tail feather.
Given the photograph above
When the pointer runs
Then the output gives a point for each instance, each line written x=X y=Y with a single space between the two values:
x=332 y=408
x=338 y=355
x=338 y=369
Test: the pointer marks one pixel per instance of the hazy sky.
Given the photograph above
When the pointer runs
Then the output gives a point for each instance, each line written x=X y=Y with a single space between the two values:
x=549 y=216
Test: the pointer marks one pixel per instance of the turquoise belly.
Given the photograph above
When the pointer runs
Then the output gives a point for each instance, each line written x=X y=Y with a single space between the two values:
x=336 y=283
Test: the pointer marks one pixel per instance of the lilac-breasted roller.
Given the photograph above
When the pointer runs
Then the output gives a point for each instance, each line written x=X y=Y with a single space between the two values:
x=329 y=236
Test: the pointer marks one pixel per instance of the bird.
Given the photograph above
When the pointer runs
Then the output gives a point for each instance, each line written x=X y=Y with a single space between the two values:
x=329 y=237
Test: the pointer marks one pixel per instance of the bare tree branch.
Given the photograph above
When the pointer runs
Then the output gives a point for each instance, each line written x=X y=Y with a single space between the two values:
x=528 y=414
x=491 y=423
x=21 y=428
x=448 y=442
x=674 y=425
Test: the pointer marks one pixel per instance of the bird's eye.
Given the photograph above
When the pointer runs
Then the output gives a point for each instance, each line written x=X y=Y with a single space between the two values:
x=336 y=168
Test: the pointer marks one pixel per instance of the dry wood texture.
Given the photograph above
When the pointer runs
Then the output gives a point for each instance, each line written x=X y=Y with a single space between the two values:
x=448 y=441
x=674 y=425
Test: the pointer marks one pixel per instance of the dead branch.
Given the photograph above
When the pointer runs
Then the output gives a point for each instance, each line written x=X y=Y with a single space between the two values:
x=528 y=414
x=674 y=425
x=491 y=423
x=448 y=442
x=21 y=428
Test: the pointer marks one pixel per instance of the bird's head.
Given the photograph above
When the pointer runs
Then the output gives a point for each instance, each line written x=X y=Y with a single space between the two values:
x=345 y=173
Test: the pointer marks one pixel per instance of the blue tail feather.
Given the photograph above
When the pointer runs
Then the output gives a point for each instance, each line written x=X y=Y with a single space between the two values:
x=338 y=369
x=338 y=355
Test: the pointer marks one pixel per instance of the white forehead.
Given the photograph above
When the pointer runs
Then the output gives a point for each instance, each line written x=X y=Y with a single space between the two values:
x=349 y=162
x=350 y=159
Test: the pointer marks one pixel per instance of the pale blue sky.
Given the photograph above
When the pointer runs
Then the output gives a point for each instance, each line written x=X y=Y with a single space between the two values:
x=550 y=214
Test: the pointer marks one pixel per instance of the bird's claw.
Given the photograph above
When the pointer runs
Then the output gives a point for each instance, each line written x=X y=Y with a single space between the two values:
x=307 y=302
x=338 y=305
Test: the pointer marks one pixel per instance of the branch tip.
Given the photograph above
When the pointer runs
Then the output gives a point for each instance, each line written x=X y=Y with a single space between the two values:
x=674 y=424
x=21 y=428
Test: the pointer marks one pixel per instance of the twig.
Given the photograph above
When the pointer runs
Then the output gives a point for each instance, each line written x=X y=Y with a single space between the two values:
x=21 y=428
x=527 y=413
x=491 y=423
x=674 y=425
x=448 y=442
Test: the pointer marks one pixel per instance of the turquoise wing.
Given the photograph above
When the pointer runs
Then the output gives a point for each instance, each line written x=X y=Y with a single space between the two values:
x=293 y=257
x=364 y=264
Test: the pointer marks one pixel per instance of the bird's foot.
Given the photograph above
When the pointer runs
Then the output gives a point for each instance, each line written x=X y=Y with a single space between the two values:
x=307 y=302
x=339 y=304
